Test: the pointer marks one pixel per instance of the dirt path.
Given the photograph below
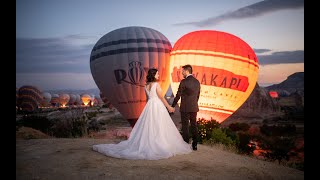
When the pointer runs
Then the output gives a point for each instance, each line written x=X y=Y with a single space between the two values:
x=74 y=159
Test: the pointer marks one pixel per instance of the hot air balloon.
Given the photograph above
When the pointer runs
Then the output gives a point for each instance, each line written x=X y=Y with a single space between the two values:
x=105 y=100
x=99 y=101
x=54 y=99
x=46 y=98
x=86 y=99
x=78 y=99
x=92 y=99
x=64 y=99
x=72 y=99
x=119 y=62
x=225 y=65
x=274 y=94
x=30 y=98
x=28 y=104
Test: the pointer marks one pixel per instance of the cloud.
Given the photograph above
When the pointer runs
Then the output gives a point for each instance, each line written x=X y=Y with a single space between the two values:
x=51 y=81
x=253 y=10
x=262 y=50
x=53 y=55
x=282 y=57
x=63 y=55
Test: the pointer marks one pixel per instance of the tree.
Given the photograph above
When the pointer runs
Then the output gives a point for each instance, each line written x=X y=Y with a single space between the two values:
x=277 y=148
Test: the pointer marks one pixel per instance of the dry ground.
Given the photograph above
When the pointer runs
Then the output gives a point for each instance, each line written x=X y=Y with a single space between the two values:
x=74 y=159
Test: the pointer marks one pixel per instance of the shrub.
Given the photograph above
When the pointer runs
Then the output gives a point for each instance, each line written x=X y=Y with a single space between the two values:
x=61 y=128
x=38 y=122
x=205 y=128
x=76 y=126
x=233 y=135
x=218 y=136
x=277 y=148
x=90 y=115
x=244 y=141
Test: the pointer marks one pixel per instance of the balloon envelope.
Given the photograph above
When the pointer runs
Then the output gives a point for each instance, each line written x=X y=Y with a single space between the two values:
x=78 y=99
x=105 y=100
x=119 y=64
x=225 y=65
x=46 y=97
x=73 y=99
x=86 y=98
x=64 y=99
x=273 y=94
x=54 y=99
x=29 y=98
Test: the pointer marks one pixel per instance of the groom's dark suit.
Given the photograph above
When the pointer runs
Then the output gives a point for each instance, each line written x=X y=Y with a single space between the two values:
x=189 y=91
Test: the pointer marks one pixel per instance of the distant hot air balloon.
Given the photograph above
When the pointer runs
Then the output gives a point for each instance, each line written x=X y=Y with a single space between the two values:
x=78 y=99
x=30 y=98
x=72 y=99
x=105 y=100
x=92 y=99
x=28 y=104
x=95 y=101
x=99 y=101
x=119 y=62
x=54 y=99
x=225 y=65
x=46 y=98
x=86 y=98
x=64 y=99
x=273 y=94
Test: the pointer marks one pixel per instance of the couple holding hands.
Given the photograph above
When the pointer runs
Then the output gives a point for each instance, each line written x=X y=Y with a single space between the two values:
x=154 y=135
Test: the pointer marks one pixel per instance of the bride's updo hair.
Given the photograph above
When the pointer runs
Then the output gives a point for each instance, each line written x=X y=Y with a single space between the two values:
x=150 y=76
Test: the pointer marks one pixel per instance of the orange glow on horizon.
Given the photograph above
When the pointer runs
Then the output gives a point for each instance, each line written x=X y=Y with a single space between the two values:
x=276 y=73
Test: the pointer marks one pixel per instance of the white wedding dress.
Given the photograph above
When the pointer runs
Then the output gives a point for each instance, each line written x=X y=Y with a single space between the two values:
x=153 y=137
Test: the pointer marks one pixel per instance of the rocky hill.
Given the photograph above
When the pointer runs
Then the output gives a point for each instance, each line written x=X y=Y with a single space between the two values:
x=256 y=108
x=260 y=105
x=294 y=83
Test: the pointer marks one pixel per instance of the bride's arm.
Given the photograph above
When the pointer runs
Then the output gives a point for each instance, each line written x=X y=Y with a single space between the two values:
x=159 y=93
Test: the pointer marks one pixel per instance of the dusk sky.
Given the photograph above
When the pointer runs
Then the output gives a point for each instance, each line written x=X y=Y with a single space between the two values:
x=54 y=39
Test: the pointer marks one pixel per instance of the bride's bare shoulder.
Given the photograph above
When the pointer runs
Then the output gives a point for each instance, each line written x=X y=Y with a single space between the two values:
x=148 y=85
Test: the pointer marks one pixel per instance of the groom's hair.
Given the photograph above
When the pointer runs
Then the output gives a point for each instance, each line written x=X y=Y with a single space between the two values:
x=187 y=68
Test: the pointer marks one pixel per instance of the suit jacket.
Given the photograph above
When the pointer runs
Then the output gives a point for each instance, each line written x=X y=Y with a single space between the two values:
x=189 y=91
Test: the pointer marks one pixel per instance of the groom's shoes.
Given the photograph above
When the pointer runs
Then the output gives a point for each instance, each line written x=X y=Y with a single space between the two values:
x=194 y=146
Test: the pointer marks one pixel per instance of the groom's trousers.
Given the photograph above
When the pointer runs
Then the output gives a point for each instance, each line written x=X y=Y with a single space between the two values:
x=191 y=117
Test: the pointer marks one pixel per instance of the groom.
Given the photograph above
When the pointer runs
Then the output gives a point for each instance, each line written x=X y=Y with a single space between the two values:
x=189 y=91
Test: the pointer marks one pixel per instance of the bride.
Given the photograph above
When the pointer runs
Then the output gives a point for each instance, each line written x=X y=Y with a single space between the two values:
x=154 y=135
